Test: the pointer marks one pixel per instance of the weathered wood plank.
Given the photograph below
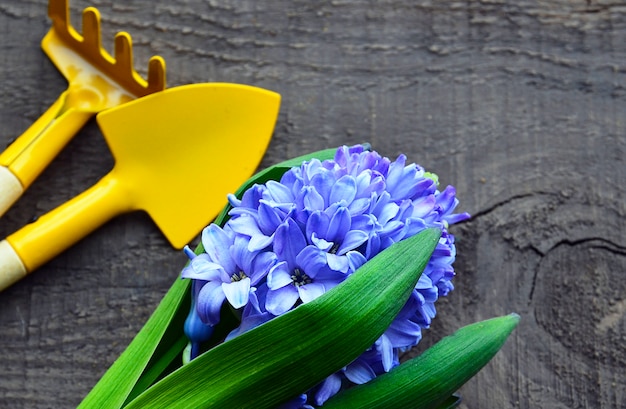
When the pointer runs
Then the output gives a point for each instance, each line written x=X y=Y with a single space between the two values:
x=519 y=104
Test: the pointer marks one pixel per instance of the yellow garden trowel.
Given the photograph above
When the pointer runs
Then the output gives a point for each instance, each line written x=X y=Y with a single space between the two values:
x=178 y=153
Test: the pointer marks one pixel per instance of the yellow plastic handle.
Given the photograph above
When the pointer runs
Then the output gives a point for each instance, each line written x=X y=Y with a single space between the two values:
x=57 y=230
x=32 y=151
x=10 y=189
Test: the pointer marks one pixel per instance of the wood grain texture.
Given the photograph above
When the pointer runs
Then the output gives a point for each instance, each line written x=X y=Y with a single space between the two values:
x=519 y=104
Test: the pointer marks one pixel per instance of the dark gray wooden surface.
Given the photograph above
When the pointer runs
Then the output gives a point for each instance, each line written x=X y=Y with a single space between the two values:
x=520 y=104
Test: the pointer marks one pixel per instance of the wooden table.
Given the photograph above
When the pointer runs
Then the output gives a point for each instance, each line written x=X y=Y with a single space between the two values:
x=519 y=104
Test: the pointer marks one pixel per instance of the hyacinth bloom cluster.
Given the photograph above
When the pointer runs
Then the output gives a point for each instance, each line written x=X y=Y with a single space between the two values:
x=287 y=242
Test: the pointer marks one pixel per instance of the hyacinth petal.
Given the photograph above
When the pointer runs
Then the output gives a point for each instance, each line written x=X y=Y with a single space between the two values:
x=373 y=246
x=248 y=323
x=232 y=200
x=406 y=183
x=413 y=188
x=317 y=224
x=364 y=222
x=423 y=187
x=311 y=169
x=253 y=315
x=281 y=300
x=392 y=228
x=378 y=202
x=311 y=260
x=430 y=310
x=296 y=403
x=376 y=186
x=245 y=224
x=359 y=372
x=412 y=226
x=442 y=250
x=430 y=294
x=339 y=224
x=252 y=196
x=288 y=242
x=403 y=333
x=243 y=211
x=279 y=192
x=268 y=218
x=279 y=276
x=352 y=240
x=321 y=243
x=203 y=265
x=237 y=292
x=385 y=348
x=311 y=199
x=355 y=259
x=210 y=300
x=388 y=212
x=394 y=176
x=344 y=189
x=216 y=243
x=240 y=254
x=359 y=206
x=423 y=206
x=200 y=268
x=337 y=263
x=342 y=155
x=309 y=292
x=456 y=218
x=328 y=388
x=424 y=283
x=447 y=199
x=262 y=264
x=363 y=181
x=322 y=182
x=260 y=242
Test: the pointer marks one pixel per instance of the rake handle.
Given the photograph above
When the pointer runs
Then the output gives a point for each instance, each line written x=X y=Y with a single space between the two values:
x=51 y=234
x=32 y=151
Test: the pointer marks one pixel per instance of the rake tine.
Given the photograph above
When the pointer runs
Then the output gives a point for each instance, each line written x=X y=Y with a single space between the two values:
x=59 y=11
x=92 y=37
x=156 y=74
x=124 y=54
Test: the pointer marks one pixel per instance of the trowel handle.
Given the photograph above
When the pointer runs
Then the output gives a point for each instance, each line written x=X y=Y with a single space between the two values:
x=31 y=152
x=11 y=267
x=38 y=242
x=10 y=189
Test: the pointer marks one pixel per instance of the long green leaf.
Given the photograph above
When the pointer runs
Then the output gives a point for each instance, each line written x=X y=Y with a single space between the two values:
x=428 y=380
x=293 y=352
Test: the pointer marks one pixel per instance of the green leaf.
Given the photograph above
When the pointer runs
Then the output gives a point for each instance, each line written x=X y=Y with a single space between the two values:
x=293 y=352
x=426 y=381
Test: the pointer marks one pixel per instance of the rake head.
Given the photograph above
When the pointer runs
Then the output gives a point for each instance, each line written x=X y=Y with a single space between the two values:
x=64 y=45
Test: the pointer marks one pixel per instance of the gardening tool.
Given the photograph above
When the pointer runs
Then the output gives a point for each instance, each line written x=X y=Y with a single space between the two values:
x=96 y=81
x=177 y=153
